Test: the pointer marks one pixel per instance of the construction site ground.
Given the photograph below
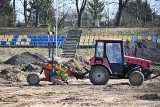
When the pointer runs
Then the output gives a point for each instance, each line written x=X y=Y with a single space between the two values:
x=80 y=93
x=16 y=92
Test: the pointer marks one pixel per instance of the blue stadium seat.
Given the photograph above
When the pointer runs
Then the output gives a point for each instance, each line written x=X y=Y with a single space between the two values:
x=3 y=43
x=14 y=39
x=45 y=43
x=34 y=36
x=33 y=39
x=39 y=36
x=43 y=36
x=15 y=36
x=52 y=40
x=154 y=39
x=43 y=39
x=134 y=38
x=36 y=43
x=38 y=39
x=40 y=43
x=29 y=36
x=144 y=37
x=24 y=40
x=12 y=43
x=46 y=39
x=31 y=43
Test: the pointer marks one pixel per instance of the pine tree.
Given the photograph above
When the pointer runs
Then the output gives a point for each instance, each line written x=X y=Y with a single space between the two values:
x=96 y=7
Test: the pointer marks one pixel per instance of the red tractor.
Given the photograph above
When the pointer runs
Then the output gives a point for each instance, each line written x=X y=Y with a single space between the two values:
x=109 y=61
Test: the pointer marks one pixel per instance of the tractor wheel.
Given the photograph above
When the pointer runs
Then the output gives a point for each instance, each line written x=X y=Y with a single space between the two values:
x=99 y=75
x=33 y=79
x=136 y=78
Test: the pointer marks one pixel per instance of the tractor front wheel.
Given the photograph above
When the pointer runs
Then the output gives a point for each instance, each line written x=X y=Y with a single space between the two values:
x=136 y=78
x=99 y=75
x=33 y=79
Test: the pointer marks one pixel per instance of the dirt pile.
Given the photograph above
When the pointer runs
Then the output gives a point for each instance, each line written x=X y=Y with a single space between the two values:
x=152 y=97
x=25 y=58
x=12 y=74
x=18 y=73
x=78 y=63
x=143 y=49
x=32 y=67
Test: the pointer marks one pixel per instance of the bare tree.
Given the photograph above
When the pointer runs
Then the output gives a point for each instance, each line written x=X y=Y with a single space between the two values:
x=122 y=5
x=80 y=10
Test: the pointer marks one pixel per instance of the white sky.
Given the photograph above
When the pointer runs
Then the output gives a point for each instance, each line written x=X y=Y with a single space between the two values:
x=69 y=5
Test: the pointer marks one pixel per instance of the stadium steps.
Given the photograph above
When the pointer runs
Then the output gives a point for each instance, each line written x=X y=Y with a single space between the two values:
x=69 y=47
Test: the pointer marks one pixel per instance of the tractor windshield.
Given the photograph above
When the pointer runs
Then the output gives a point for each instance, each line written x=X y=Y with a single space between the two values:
x=113 y=52
x=99 y=50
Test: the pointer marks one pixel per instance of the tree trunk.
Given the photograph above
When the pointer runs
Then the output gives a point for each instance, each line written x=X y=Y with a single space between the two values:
x=25 y=12
x=80 y=11
x=79 y=19
x=14 y=13
x=122 y=5
x=119 y=13
x=37 y=16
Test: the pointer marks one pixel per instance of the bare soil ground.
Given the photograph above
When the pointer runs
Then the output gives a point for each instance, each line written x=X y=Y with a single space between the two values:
x=79 y=93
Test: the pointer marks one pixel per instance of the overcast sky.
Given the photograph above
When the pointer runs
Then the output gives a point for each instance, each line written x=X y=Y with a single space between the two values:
x=69 y=5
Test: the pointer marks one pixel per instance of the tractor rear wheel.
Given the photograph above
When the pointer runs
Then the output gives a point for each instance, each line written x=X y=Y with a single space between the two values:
x=136 y=78
x=33 y=79
x=99 y=75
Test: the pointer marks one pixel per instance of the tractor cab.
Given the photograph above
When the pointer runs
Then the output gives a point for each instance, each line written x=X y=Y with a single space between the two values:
x=109 y=53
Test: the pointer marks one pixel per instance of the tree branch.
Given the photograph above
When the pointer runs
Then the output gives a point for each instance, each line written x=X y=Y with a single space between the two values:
x=83 y=5
x=77 y=6
x=73 y=2
x=125 y=3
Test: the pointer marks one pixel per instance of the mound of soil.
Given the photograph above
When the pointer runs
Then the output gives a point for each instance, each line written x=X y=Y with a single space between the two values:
x=151 y=97
x=78 y=63
x=32 y=67
x=18 y=73
x=25 y=58
x=143 y=49
x=12 y=74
